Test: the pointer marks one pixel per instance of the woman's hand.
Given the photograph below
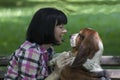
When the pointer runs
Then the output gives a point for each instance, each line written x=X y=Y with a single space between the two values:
x=61 y=61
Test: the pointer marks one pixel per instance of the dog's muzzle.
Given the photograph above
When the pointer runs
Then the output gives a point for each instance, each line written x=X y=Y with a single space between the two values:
x=73 y=40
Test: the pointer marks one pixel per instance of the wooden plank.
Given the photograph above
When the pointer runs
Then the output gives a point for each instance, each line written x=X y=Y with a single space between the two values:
x=110 y=61
x=4 y=60
x=114 y=73
x=2 y=73
x=105 y=61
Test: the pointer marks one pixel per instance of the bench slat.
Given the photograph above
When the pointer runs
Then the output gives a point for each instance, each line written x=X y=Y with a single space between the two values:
x=2 y=74
x=114 y=73
x=4 y=60
x=110 y=61
x=105 y=61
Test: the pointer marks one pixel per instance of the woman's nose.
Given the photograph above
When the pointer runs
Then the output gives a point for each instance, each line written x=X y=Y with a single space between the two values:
x=65 y=30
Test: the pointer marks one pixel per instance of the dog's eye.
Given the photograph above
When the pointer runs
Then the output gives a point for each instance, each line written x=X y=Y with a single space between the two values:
x=81 y=36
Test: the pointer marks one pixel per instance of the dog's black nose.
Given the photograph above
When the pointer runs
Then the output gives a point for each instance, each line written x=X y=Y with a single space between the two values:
x=70 y=36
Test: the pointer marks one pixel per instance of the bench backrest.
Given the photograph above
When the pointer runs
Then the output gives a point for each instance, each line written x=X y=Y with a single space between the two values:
x=110 y=63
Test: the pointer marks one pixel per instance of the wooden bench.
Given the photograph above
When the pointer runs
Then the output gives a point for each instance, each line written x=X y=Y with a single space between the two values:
x=109 y=63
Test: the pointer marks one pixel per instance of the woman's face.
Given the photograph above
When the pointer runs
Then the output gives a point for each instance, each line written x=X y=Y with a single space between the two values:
x=59 y=33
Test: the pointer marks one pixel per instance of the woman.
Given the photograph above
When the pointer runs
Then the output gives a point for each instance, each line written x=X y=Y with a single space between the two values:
x=30 y=60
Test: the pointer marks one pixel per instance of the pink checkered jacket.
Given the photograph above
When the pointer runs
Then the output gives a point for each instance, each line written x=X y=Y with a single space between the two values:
x=29 y=62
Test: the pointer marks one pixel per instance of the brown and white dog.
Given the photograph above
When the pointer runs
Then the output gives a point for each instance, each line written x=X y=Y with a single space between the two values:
x=87 y=48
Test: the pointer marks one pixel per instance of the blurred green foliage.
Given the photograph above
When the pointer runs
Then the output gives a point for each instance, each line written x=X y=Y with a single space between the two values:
x=103 y=17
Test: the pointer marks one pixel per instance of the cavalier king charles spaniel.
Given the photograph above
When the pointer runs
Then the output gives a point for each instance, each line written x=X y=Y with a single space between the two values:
x=87 y=49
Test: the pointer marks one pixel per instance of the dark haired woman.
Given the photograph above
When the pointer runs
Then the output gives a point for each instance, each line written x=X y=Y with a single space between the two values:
x=30 y=60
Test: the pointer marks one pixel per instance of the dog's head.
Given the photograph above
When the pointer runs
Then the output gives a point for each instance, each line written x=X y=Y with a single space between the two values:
x=86 y=44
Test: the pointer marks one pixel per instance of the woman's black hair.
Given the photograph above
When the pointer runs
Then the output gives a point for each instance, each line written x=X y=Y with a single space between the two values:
x=41 y=28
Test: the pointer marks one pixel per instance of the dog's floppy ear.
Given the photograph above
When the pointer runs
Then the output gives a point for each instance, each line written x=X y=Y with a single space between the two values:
x=87 y=49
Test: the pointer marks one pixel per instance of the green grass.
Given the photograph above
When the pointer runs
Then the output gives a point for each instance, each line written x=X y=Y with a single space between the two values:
x=103 y=18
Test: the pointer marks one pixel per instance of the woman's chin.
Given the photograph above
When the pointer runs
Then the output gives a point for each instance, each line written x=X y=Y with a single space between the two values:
x=59 y=42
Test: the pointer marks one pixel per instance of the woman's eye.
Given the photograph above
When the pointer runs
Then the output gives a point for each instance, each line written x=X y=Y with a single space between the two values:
x=61 y=27
x=81 y=36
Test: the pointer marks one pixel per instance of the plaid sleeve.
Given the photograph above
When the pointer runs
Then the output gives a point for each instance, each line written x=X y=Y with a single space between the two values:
x=28 y=65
